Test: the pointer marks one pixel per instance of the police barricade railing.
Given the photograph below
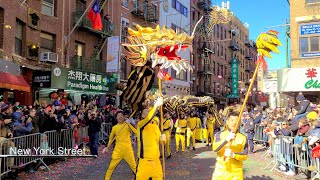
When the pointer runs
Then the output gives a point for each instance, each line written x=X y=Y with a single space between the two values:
x=260 y=134
x=292 y=154
x=20 y=151
x=17 y=152
x=82 y=137
x=105 y=132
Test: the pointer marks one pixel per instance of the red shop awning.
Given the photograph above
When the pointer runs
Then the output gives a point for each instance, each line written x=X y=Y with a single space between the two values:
x=10 y=81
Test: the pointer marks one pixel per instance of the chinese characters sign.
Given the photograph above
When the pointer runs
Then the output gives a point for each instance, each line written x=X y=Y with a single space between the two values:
x=234 y=79
x=299 y=79
x=41 y=79
x=64 y=78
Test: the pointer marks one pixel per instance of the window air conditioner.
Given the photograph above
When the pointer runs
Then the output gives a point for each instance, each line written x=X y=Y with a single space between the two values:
x=49 y=57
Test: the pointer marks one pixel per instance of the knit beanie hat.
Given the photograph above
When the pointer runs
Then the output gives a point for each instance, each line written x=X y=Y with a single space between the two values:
x=300 y=97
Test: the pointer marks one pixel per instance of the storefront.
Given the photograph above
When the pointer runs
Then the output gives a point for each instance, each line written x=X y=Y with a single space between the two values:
x=76 y=83
x=13 y=86
x=291 y=81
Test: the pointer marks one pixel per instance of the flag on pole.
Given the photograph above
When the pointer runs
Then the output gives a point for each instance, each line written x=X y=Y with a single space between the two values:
x=94 y=16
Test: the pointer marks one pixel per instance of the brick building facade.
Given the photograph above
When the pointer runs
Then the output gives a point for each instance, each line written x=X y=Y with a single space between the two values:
x=212 y=56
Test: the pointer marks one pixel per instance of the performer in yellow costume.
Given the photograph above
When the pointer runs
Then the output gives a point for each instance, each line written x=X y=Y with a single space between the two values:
x=167 y=128
x=230 y=154
x=123 y=149
x=193 y=124
x=210 y=127
x=181 y=127
x=148 y=133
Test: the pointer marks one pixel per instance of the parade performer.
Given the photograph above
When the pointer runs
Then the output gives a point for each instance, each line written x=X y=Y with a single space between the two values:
x=181 y=127
x=230 y=154
x=193 y=123
x=149 y=138
x=167 y=128
x=210 y=127
x=123 y=149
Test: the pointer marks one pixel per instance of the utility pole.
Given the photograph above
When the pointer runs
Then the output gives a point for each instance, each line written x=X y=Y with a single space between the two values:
x=287 y=29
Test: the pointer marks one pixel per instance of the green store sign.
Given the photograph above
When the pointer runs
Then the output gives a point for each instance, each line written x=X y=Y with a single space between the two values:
x=71 y=79
x=312 y=84
x=234 y=79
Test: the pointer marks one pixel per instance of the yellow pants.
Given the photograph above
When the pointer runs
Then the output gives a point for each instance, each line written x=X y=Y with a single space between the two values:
x=210 y=135
x=191 y=134
x=180 y=137
x=149 y=169
x=124 y=153
x=168 y=142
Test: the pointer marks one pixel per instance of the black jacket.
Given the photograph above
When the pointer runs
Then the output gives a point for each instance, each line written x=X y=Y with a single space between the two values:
x=304 y=107
x=94 y=125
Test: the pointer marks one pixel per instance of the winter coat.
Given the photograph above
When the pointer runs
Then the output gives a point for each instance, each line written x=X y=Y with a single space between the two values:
x=18 y=128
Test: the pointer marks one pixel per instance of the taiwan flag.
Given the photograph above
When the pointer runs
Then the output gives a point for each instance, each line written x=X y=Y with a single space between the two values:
x=94 y=16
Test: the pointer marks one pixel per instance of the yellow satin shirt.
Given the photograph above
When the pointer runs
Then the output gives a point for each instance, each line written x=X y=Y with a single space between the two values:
x=122 y=134
x=148 y=134
x=181 y=126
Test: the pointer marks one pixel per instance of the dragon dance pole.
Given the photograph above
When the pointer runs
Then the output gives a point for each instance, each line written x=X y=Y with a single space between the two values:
x=161 y=126
x=248 y=92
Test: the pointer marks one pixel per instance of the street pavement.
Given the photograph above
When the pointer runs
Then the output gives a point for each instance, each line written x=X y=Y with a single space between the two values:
x=198 y=164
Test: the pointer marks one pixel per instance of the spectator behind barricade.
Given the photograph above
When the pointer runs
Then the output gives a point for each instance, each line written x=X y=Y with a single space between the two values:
x=294 y=125
x=50 y=121
x=21 y=126
x=285 y=146
x=110 y=117
x=304 y=107
x=6 y=144
x=126 y=114
x=303 y=129
x=35 y=120
x=6 y=111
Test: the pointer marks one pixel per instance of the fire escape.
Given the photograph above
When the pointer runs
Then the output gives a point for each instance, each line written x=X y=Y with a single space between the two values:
x=205 y=49
x=94 y=63
x=145 y=11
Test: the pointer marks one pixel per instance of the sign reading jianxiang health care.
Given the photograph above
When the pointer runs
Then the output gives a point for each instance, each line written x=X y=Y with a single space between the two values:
x=73 y=79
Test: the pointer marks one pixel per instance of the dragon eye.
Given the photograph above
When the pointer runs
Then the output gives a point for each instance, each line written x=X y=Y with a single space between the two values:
x=164 y=51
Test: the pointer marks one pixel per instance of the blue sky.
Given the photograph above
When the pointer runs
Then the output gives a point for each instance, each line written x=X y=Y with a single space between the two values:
x=261 y=14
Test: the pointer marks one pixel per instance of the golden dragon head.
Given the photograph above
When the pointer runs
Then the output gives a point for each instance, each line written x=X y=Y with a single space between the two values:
x=268 y=42
x=160 y=45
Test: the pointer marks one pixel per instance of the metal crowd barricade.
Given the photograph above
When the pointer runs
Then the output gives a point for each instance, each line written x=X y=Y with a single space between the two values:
x=259 y=134
x=23 y=146
x=104 y=133
x=288 y=153
x=49 y=142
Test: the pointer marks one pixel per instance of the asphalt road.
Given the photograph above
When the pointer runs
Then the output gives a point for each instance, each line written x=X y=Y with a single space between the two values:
x=198 y=164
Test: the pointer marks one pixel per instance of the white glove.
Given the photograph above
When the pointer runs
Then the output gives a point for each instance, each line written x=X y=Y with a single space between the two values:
x=228 y=153
x=163 y=137
x=159 y=102
x=313 y=140
x=230 y=136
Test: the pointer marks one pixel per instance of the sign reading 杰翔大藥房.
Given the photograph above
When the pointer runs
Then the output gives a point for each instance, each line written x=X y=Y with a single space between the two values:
x=299 y=79
x=72 y=79
x=234 y=78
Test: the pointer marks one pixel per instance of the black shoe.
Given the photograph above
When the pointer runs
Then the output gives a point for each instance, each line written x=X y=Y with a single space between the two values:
x=194 y=148
x=169 y=156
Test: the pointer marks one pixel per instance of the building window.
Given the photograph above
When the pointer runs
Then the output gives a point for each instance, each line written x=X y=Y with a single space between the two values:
x=312 y=1
x=181 y=76
x=47 y=42
x=19 y=37
x=314 y=44
x=179 y=7
x=124 y=30
x=47 y=7
x=304 y=45
x=125 y=3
